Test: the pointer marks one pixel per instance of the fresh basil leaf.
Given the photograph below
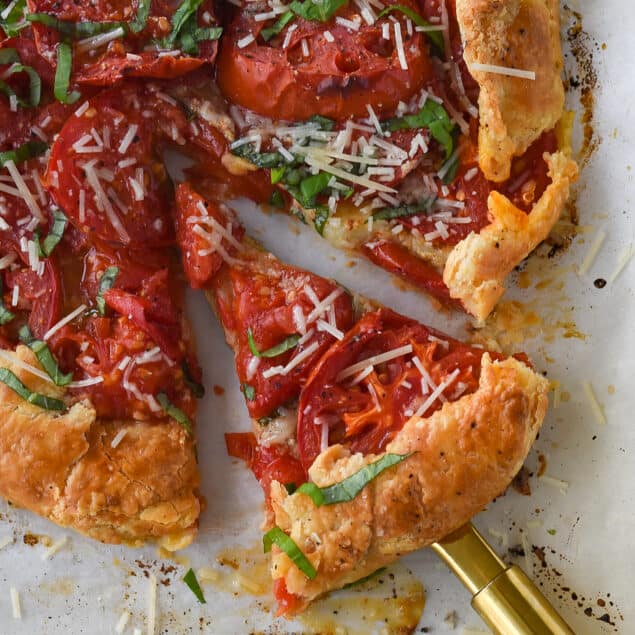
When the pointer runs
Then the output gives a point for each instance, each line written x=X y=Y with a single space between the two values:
x=186 y=9
x=259 y=159
x=5 y=315
x=208 y=33
x=287 y=344
x=435 y=37
x=323 y=122
x=73 y=30
x=320 y=219
x=277 y=174
x=106 y=282
x=45 y=357
x=277 y=200
x=63 y=75
x=55 y=234
x=248 y=391
x=14 y=21
x=279 y=24
x=141 y=19
x=317 y=11
x=176 y=413
x=35 y=83
x=314 y=185
x=432 y=116
x=370 y=576
x=350 y=487
x=190 y=579
x=9 y=56
x=277 y=537
x=198 y=390
x=404 y=211
x=28 y=150
x=37 y=399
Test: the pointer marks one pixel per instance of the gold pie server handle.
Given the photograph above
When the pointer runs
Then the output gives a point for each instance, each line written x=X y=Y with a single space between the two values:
x=505 y=598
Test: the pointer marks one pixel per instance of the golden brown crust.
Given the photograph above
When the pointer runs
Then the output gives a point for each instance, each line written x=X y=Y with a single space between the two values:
x=521 y=34
x=476 y=268
x=62 y=467
x=466 y=454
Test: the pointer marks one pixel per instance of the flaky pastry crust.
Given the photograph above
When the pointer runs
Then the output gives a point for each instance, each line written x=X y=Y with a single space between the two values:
x=465 y=455
x=513 y=112
x=476 y=268
x=62 y=466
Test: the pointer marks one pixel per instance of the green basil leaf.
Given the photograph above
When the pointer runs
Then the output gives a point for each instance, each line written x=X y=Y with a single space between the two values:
x=287 y=344
x=106 y=282
x=248 y=391
x=26 y=151
x=314 y=185
x=450 y=168
x=436 y=37
x=141 y=19
x=45 y=357
x=279 y=24
x=323 y=122
x=35 y=85
x=190 y=579
x=277 y=200
x=63 y=75
x=36 y=398
x=186 y=9
x=198 y=390
x=74 y=30
x=5 y=315
x=317 y=11
x=9 y=56
x=432 y=116
x=259 y=159
x=277 y=537
x=55 y=235
x=277 y=174
x=404 y=211
x=14 y=21
x=370 y=576
x=208 y=33
x=322 y=214
x=350 y=487
x=176 y=413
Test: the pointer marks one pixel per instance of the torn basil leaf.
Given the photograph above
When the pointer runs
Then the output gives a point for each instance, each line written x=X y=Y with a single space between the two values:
x=63 y=75
x=198 y=390
x=248 y=391
x=13 y=21
x=350 y=487
x=176 y=413
x=432 y=116
x=45 y=357
x=405 y=211
x=26 y=151
x=10 y=56
x=37 y=399
x=277 y=537
x=320 y=11
x=5 y=315
x=55 y=235
x=320 y=219
x=190 y=579
x=324 y=123
x=287 y=344
x=271 y=31
x=106 y=282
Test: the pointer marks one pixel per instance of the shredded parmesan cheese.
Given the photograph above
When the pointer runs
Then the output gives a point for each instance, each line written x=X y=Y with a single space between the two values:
x=624 y=259
x=555 y=482
x=374 y=360
x=596 y=408
x=593 y=252
x=54 y=548
x=15 y=604
x=123 y=621
x=118 y=438
x=6 y=541
x=64 y=321
x=502 y=70
x=152 y=604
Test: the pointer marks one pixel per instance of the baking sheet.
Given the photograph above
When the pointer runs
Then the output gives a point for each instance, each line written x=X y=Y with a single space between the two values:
x=582 y=530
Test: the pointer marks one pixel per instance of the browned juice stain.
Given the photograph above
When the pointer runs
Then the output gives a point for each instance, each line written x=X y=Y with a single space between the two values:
x=60 y=586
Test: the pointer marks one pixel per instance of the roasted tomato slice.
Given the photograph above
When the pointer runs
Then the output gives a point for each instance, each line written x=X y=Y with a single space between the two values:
x=272 y=463
x=41 y=295
x=363 y=405
x=202 y=230
x=105 y=173
x=274 y=303
x=106 y=58
x=300 y=73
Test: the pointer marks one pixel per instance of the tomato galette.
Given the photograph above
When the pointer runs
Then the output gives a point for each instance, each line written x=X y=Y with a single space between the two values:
x=373 y=435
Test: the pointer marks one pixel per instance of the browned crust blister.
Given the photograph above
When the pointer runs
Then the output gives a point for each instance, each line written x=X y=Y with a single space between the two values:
x=63 y=467
x=465 y=455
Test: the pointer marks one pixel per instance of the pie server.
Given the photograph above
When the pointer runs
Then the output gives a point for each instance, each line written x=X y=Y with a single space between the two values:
x=505 y=598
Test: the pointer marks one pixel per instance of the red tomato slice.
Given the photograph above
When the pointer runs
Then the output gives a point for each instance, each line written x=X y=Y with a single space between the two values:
x=152 y=311
x=337 y=79
x=366 y=413
x=263 y=299
x=195 y=214
x=104 y=171
x=41 y=295
x=127 y=56
x=287 y=602
x=273 y=463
